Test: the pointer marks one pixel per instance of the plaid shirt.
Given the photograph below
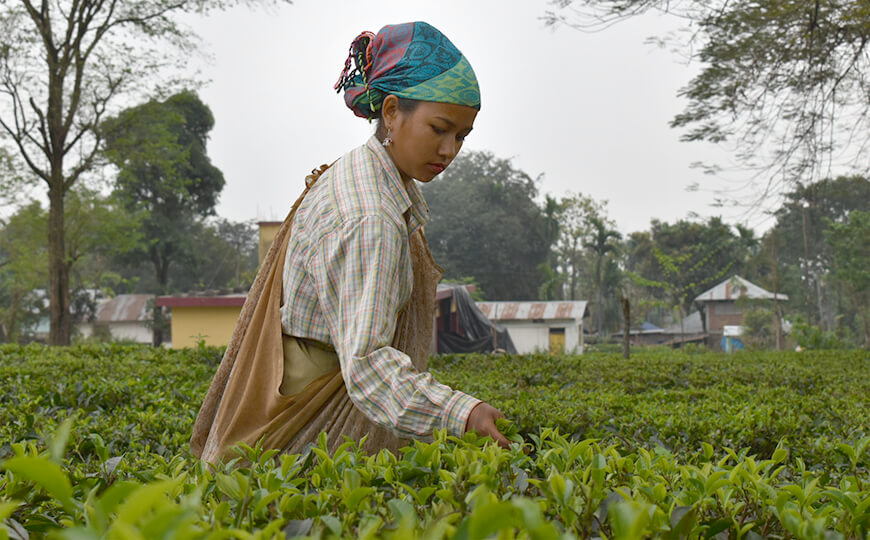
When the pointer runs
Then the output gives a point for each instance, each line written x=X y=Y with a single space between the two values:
x=346 y=276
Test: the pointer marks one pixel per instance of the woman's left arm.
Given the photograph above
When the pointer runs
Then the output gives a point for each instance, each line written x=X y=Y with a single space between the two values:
x=360 y=274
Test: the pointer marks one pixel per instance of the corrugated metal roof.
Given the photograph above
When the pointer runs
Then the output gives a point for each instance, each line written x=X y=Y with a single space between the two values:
x=504 y=311
x=124 y=307
x=736 y=287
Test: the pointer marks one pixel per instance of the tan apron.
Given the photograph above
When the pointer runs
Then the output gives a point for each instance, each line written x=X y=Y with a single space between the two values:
x=244 y=402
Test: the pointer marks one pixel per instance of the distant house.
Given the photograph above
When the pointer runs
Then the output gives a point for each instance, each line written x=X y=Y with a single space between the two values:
x=720 y=306
x=124 y=317
x=540 y=326
x=207 y=317
x=720 y=303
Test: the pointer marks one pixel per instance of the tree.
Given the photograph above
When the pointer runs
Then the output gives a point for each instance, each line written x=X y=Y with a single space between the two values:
x=159 y=148
x=552 y=281
x=486 y=226
x=64 y=65
x=220 y=261
x=603 y=240
x=678 y=262
x=575 y=227
x=850 y=244
x=243 y=240
x=802 y=248
x=783 y=82
x=97 y=229
x=22 y=271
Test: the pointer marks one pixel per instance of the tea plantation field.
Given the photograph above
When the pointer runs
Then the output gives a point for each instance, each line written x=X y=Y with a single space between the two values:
x=93 y=444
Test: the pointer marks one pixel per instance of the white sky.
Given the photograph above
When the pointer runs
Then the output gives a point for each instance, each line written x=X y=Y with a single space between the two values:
x=589 y=111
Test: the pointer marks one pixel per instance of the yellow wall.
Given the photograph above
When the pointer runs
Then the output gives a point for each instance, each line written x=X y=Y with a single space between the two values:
x=213 y=324
x=268 y=230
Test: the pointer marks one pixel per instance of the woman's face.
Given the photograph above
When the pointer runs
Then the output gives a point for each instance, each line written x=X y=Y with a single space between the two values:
x=427 y=139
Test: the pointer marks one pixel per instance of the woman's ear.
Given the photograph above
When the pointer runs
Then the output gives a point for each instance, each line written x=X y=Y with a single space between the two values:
x=390 y=110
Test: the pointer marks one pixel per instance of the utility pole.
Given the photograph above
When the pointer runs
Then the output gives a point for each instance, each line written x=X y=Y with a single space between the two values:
x=806 y=264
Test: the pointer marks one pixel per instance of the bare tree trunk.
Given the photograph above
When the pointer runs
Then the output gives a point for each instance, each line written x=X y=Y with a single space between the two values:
x=806 y=265
x=866 y=320
x=58 y=276
x=600 y=286
x=626 y=317
x=823 y=319
x=682 y=328
x=573 y=270
x=158 y=323
x=776 y=307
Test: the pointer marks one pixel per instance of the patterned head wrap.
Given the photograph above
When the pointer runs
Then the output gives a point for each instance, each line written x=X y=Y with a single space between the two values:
x=411 y=60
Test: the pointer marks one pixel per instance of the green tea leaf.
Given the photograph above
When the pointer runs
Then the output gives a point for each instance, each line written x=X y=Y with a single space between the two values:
x=57 y=443
x=46 y=474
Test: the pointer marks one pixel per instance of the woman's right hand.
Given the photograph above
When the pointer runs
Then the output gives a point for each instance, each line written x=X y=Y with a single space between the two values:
x=482 y=421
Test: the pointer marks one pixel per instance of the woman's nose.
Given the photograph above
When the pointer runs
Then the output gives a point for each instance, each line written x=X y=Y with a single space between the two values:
x=448 y=148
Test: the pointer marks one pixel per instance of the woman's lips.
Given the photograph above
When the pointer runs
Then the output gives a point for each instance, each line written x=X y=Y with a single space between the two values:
x=436 y=167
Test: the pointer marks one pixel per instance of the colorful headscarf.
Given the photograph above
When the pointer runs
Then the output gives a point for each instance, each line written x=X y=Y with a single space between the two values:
x=410 y=60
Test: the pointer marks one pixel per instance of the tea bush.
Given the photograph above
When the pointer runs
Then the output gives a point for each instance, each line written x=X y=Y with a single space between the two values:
x=93 y=444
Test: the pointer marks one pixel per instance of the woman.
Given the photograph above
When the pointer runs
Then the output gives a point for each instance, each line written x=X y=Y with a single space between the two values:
x=335 y=332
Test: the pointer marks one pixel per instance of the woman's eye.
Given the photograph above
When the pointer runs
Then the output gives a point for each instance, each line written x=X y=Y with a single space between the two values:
x=438 y=130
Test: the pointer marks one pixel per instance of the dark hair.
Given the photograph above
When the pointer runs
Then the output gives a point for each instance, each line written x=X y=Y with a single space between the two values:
x=406 y=105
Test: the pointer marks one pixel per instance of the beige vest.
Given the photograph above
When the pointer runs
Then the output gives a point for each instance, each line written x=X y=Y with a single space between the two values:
x=245 y=403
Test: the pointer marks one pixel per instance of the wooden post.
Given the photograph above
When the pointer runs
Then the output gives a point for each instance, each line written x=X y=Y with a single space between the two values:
x=626 y=316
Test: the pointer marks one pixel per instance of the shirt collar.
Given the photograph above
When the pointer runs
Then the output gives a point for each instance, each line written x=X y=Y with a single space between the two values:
x=406 y=195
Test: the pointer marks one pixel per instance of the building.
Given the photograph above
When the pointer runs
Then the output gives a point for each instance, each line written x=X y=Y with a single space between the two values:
x=721 y=303
x=206 y=318
x=556 y=326
x=721 y=306
x=125 y=317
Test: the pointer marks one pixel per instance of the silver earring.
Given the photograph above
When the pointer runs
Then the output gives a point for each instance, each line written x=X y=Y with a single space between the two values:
x=388 y=140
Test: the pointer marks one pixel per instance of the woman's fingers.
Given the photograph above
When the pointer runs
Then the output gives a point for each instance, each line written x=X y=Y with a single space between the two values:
x=482 y=420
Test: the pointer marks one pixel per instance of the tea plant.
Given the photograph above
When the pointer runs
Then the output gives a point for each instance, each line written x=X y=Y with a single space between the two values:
x=93 y=444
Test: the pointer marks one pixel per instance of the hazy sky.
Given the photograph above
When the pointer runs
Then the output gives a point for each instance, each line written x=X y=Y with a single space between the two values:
x=588 y=111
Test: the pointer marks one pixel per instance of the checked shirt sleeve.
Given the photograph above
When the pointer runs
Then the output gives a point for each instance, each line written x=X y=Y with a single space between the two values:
x=361 y=274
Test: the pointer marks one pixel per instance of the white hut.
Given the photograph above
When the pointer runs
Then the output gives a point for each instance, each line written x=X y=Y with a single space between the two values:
x=540 y=326
x=125 y=317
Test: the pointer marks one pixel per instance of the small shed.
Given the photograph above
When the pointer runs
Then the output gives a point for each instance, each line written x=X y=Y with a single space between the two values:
x=208 y=317
x=124 y=317
x=555 y=326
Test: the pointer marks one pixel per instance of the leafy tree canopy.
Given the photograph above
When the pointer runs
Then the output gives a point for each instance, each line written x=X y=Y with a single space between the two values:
x=809 y=208
x=486 y=225
x=159 y=148
x=850 y=244
x=677 y=262
x=64 y=66
x=783 y=82
x=97 y=230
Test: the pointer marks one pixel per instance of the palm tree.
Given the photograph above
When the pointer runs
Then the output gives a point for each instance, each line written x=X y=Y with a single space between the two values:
x=600 y=244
